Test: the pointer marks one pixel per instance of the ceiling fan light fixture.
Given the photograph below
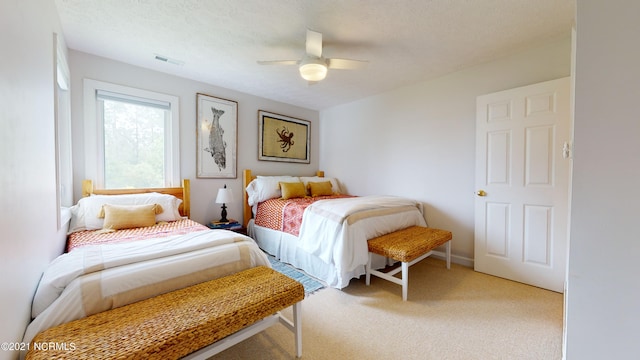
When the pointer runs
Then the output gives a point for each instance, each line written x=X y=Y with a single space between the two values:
x=313 y=69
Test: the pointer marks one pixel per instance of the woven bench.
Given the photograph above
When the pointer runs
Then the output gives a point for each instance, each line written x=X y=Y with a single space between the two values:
x=195 y=322
x=408 y=246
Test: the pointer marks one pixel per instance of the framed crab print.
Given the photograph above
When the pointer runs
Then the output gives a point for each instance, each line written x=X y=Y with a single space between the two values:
x=283 y=138
x=217 y=137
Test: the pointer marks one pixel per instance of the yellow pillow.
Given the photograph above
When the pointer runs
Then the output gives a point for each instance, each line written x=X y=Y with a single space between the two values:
x=129 y=216
x=292 y=190
x=320 y=188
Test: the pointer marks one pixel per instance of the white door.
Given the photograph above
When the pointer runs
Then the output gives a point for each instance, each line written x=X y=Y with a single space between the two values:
x=522 y=183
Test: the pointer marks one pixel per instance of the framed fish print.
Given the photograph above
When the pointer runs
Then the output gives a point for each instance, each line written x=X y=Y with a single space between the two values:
x=217 y=137
x=283 y=138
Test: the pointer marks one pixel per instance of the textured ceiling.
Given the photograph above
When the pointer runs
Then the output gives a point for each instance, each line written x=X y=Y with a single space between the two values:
x=219 y=41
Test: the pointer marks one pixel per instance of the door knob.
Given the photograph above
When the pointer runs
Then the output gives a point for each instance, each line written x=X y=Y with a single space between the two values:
x=481 y=193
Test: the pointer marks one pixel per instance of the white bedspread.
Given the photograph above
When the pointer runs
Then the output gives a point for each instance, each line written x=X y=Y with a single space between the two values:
x=96 y=278
x=336 y=230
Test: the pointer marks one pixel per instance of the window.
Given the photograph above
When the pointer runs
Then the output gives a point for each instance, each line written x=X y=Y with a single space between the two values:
x=133 y=140
x=136 y=137
x=62 y=117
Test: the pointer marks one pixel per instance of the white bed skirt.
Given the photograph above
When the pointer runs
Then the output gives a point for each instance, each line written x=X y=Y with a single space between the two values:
x=284 y=247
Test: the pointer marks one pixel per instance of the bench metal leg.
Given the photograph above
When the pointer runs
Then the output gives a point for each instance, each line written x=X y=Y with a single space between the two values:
x=368 y=271
x=297 y=321
x=405 y=280
x=448 y=254
x=295 y=326
x=389 y=276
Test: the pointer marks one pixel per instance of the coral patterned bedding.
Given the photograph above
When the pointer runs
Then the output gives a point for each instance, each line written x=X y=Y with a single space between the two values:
x=286 y=215
x=161 y=229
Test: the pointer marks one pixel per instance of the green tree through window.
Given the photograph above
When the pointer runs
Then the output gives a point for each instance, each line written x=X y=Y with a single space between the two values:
x=132 y=136
x=134 y=140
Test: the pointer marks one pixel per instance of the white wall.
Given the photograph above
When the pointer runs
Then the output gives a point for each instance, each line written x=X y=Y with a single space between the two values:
x=419 y=141
x=203 y=191
x=603 y=295
x=30 y=236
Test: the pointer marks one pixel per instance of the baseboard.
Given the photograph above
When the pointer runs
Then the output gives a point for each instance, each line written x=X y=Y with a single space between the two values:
x=456 y=259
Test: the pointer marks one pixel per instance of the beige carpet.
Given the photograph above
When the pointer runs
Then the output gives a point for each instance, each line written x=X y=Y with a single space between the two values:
x=450 y=314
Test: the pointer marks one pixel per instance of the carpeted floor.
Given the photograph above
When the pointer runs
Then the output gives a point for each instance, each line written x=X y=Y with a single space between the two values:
x=451 y=314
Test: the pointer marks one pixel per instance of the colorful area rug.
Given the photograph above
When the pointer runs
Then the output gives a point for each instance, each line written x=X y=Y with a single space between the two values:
x=310 y=284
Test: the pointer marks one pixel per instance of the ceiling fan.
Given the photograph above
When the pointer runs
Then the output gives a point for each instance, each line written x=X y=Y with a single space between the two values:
x=313 y=66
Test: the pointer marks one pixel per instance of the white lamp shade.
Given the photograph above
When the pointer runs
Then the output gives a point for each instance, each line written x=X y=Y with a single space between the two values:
x=225 y=196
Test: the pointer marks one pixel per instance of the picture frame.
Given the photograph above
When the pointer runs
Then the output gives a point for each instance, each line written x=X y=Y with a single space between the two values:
x=283 y=138
x=216 y=137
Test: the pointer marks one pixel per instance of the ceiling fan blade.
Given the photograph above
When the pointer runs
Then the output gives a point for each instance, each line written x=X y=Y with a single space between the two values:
x=314 y=43
x=346 y=64
x=279 y=62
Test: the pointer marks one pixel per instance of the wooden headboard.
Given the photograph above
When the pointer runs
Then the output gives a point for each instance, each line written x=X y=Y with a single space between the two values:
x=248 y=177
x=183 y=193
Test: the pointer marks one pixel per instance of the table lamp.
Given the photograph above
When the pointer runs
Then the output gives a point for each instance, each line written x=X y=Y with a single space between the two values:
x=224 y=196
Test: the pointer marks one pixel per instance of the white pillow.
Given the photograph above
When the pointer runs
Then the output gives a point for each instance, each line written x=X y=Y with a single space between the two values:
x=85 y=212
x=335 y=187
x=266 y=187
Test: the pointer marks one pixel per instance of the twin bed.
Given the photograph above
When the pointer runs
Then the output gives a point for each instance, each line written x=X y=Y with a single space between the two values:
x=117 y=259
x=330 y=241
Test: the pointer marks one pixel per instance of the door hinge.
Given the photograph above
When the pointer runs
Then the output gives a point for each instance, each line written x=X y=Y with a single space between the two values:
x=567 y=150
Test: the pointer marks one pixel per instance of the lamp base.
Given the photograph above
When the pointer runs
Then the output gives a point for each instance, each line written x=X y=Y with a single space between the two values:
x=224 y=214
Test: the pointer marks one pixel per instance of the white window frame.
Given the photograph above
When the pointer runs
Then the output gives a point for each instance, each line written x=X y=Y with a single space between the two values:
x=62 y=116
x=94 y=131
